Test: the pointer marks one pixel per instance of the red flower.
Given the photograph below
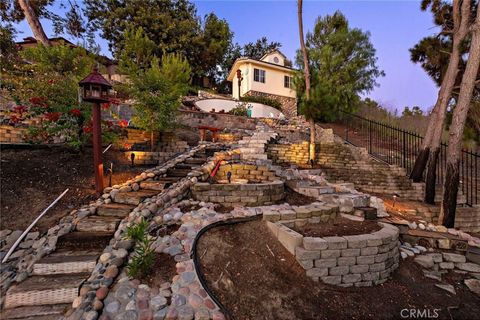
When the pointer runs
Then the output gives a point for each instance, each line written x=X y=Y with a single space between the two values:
x=105 y=106
x=127 y=146
x=87 y=129
x=51 y=81
x=52 y=116
x=14 y=119
x=109 y=123
x=123 y=123
x=20 y=109
x=75 y=112
x=38 y=101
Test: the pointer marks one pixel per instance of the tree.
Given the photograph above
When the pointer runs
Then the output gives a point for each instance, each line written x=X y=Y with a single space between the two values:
x=306 y=75
x=342 y=65
x=452 y=176
x=259 y=48
x=457 y=26
x=172 y=25
x=157 y=92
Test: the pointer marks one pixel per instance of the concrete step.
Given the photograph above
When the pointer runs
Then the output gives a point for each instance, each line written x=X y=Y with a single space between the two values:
x=44 y=290
x=134 y=197
x=98 y=224
x=55 y=311
x=66 y=263
x=115 y=209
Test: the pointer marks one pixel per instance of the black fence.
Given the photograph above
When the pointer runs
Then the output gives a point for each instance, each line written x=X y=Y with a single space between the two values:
x=400 y=147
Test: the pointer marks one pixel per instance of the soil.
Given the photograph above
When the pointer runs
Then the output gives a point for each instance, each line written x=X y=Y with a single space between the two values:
x=223 y=209
x=190 y=207
x=163 y=270
x=163 y=230
x=338 y=227
x=254 y=284
x=296 y=199
x=32 y=178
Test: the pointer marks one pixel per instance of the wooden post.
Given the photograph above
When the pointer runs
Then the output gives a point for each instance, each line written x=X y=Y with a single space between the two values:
x=97 y=148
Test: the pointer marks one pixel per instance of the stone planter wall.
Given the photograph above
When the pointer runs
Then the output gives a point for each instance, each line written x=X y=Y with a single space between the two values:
x=361 y=260
x=10 y=134
x=254 y=194
x=166 y=152
x=289 y=153
x=250 y=172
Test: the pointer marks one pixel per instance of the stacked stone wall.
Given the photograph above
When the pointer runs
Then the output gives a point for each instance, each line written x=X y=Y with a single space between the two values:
x=10 y=134
x=360 y=260
x=296 y=153
x=251 y=172
x=289 y=105
x=222 y=121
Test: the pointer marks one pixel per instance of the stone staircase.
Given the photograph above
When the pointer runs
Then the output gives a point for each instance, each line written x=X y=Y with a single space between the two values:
x=253 y=147
x=55 y=280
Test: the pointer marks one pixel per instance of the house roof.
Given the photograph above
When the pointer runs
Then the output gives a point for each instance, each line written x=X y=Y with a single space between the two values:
x=272 y=51
x=242 y=60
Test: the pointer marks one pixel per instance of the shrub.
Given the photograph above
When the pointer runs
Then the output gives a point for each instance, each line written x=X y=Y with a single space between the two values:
x=263 y=100
x=239 y=110
x=144 y=256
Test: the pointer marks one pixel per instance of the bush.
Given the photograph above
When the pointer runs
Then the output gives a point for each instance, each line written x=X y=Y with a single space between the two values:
x=144 y=256
x=239 y=110
x=263 y=100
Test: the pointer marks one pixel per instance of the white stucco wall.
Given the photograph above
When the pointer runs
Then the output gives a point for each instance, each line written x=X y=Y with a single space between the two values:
x=258 y=111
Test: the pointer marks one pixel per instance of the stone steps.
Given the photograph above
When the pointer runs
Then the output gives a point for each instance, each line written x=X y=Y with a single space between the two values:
x=83 y=241
x=133 y=197
x=44 y=290
x=115 y=209
x=53 y=312
x=178 y=172
x=153 y=185
x=64 y=263
x=104 y=224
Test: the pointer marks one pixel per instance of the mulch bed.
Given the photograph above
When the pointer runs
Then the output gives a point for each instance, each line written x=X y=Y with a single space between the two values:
x=296 y=199
x=32 y=178
x=162 y=271
x=257 y=285
x=163 y=230
x=337 y=227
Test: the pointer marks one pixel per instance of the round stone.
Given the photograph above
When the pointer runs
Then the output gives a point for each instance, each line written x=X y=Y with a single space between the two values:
x=202 y=314
x=104 y=257
x=135 y=187
x=112 y=307
x=185 y=313
x=101 y=293
x=76 y=302
x=195 y=301
x=90 y=315
x=97 y=305
x=111 y=272
x=160 y=314
x=178 y=300
x=158 y=302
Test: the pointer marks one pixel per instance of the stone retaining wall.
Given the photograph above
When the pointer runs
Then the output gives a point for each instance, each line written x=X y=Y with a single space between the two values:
x=250 y=172
x=167 y=151
x=289 y=153
x=360 y=260
x=218 y=120
x=254 y=194
x=10 y=134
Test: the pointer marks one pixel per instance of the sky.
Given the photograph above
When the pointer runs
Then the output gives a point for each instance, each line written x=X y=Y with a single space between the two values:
x=394 y=26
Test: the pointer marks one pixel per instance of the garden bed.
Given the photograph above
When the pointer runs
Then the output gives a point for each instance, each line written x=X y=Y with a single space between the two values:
x=32 y=178
x=296 y=199
x=273 y=286
x=163 y=270
x=338 y=227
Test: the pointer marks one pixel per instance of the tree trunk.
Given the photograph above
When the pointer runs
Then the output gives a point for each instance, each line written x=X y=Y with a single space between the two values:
x=307 y=79
x=428 y=155
x=450 y=187
x=34 y=22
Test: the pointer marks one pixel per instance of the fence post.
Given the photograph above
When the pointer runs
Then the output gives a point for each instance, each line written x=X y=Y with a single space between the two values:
x=370 y=137
x=404 y=149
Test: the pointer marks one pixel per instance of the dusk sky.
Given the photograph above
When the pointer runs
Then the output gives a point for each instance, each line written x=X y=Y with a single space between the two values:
x=395 y=26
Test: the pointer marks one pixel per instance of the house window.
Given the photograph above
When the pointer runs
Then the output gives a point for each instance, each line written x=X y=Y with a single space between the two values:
x=288 y=82
x=259 y=75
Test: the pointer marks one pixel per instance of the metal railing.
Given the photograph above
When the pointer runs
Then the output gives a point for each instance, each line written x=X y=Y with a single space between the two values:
x=400 y=147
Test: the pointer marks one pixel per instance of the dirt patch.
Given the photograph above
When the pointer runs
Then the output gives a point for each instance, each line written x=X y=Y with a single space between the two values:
x=163 y=230
x=257 y=285
x=337 y=227
x=223 y=209
x=296 y=199
x=32 y=178
x=190 y=207
x=162 y=271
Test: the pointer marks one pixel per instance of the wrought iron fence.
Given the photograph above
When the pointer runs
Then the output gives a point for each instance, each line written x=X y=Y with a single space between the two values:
x=400 y=147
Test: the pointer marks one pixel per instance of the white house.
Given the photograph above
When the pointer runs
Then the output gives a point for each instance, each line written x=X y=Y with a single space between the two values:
x=268 y=77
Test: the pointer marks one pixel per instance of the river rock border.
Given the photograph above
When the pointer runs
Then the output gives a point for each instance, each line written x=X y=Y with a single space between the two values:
x=360 y=260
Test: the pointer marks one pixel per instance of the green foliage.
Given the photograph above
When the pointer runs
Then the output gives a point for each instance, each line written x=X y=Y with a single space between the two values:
x=136 y=53
x=239 y=110
x=263 y=100
x=157 y=92
x=172 y=25
x=144 y=256
x=259 y=48
x=8 y=50
x=342 y=66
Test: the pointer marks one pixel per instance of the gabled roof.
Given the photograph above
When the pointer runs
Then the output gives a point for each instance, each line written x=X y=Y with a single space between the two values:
x=273 y=51
x=95 y=78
